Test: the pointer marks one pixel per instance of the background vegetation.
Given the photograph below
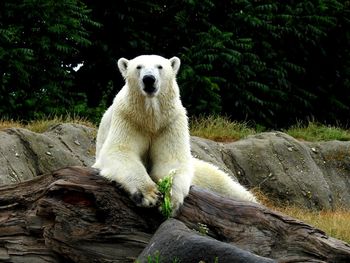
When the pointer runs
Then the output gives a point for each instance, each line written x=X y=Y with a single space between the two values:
x=267 y=62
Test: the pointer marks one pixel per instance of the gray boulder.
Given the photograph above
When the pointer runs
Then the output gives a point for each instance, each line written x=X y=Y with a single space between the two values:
x=315 y=175
x=174 y=242
x=25 y=154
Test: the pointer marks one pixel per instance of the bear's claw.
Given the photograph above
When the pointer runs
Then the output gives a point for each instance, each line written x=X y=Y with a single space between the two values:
x=153 y=198
x=137 y=198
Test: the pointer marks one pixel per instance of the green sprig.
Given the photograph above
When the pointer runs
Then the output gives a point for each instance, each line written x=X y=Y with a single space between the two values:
x=164 y=186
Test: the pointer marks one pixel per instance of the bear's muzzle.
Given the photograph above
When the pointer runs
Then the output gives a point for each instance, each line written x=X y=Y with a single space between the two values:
x=148 y=81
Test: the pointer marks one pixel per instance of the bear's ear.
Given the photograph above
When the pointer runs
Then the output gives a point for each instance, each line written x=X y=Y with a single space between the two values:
x=123 y=66
x=175 y=64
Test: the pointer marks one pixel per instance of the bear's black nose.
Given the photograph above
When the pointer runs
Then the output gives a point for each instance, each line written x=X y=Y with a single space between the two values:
x=149 y=81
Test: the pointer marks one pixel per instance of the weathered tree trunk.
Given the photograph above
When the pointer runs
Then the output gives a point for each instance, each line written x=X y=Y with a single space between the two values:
x=260 y=230
x=73 y=215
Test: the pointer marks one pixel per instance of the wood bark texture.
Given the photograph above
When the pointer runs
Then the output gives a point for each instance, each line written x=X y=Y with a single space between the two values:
x=74 y=215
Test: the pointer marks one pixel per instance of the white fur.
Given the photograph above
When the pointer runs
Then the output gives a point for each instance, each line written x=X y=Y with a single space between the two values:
x=143 y=136
x=211 y=177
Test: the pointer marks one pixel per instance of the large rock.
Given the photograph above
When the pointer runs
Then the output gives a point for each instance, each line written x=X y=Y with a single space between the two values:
x=174 y=241
x=315 y=175
x=25 y=154
x=333 y=158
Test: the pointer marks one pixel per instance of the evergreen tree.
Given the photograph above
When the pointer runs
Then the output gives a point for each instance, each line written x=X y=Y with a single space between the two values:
x=39 y=47
x=265 y=61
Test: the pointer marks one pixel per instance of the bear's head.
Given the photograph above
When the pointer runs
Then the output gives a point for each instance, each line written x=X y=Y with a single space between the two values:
x=151 y=74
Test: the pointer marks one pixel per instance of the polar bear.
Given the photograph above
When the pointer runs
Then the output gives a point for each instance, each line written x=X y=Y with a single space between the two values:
x=144 y=136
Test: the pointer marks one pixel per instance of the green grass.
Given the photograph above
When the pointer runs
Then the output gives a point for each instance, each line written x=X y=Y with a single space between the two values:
x=314 y=131
x=156 y=258
x=43 y=124
x=219 y=128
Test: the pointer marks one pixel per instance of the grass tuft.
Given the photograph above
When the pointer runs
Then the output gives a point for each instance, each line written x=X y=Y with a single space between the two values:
x=6 y=124
x=44 y=124
x=219 y=128
x=335 y=223
x=222 y=129
x=314 y=131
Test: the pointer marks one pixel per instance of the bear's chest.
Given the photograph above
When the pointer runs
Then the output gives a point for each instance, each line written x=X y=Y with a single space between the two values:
x=150 y=116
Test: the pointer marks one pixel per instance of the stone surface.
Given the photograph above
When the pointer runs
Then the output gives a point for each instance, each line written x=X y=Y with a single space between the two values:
x=174 y=241
x=25 y=154
x=314 y=175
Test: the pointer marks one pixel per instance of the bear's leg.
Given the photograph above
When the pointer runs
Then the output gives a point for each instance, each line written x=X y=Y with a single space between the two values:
x=182 y=175
x=130 y=173
x=170 y=154
x=209 y=176
x=120 y=158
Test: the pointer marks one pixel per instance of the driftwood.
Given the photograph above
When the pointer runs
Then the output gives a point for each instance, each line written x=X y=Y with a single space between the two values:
x=73 y=215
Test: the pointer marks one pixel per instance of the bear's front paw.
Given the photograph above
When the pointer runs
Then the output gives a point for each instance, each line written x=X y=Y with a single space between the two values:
x=176 y=201
x=149 y=198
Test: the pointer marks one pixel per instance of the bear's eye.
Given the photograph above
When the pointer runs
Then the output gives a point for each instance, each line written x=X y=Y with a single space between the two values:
x=139 y=67
x=159 y=67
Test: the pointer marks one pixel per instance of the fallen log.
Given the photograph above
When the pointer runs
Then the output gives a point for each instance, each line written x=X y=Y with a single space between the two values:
x=74 y=215
x=260 y=230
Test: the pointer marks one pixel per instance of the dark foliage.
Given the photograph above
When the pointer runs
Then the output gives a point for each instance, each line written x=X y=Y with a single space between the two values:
x=268 y=62
x=40 y=43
